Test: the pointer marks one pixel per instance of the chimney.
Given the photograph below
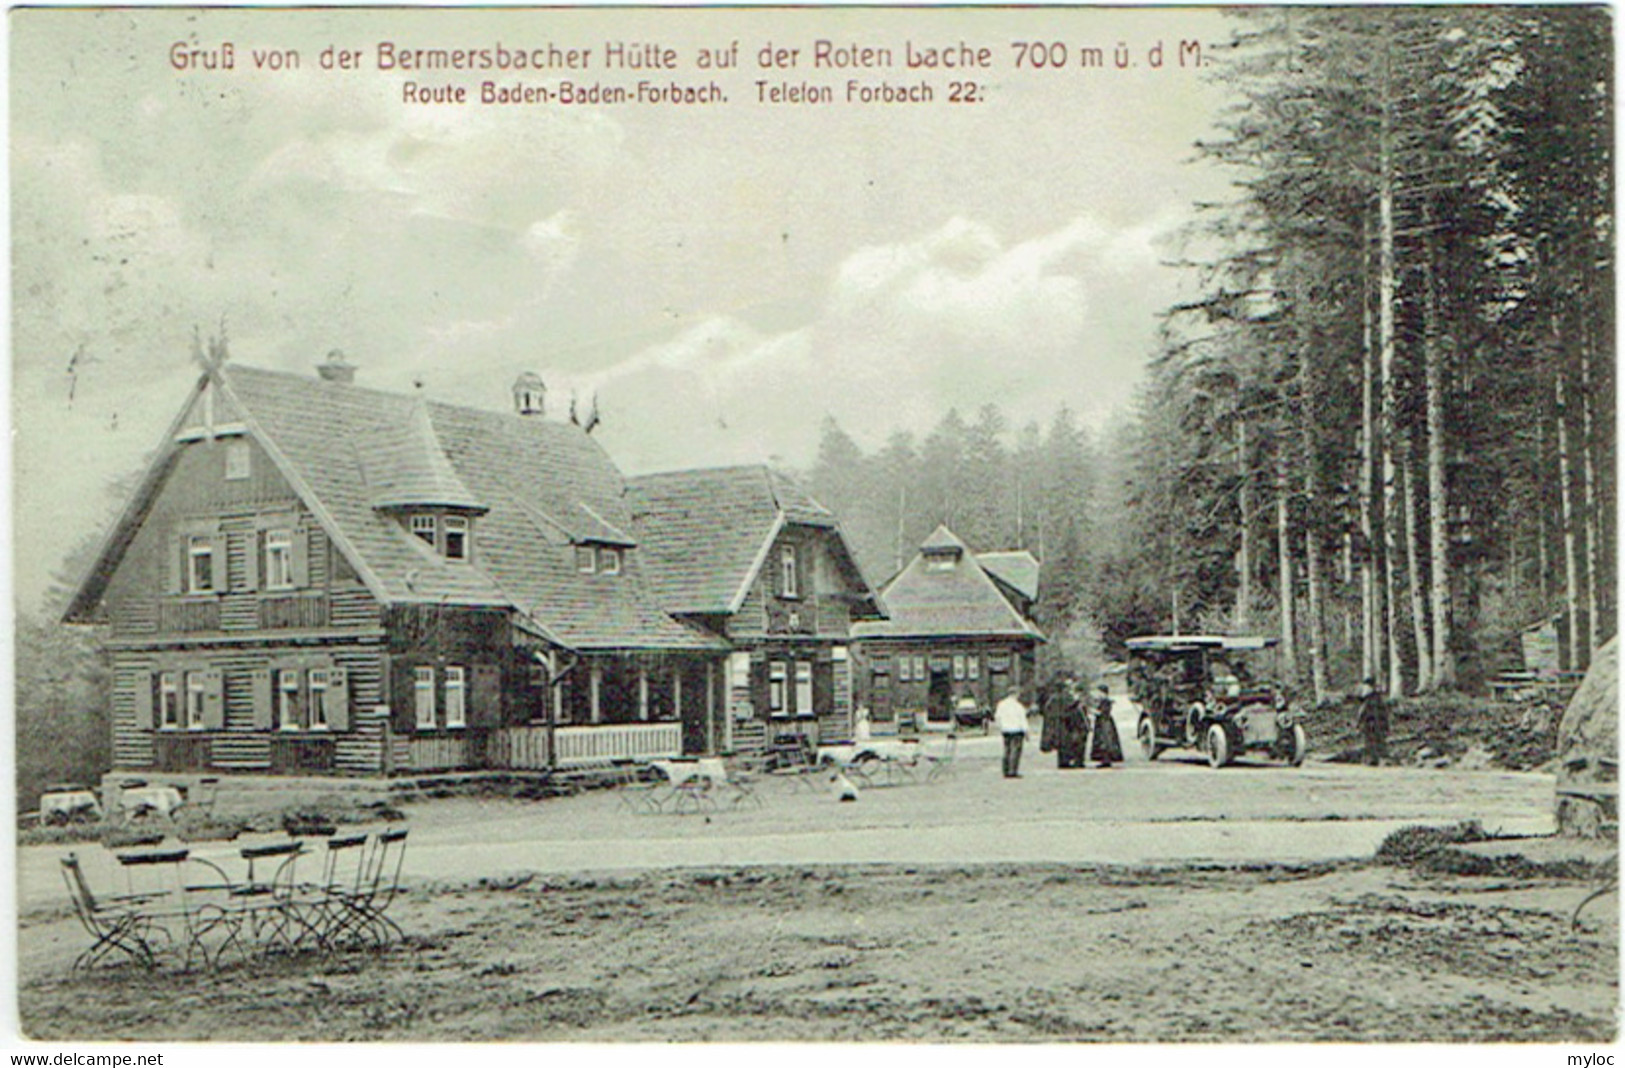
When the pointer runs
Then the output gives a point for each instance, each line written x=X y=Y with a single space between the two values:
x=529 y=394
x=336 y=369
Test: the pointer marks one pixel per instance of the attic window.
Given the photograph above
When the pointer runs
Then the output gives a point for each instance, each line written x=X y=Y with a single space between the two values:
x=423 y=526
x=456 y=537
x=941 y=561
x=238 y=459
x=599 y=559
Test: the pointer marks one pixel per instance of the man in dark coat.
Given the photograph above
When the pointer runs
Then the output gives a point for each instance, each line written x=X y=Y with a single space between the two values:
x=1065 y=724
x=1373 y=723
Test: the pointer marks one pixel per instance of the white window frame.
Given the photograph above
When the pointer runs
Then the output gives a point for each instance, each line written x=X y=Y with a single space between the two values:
x=169 y=701
x=423 y=697
x=426 y=528
x=196 y=694
x=586 y=560
x=919 y=669
x=287 y=699
x=959 y=667
x=199 y=547
x=279 y=559
x=609 y=560
x=804 y=688
x=789 y=577
x=778 y=673
x=973 y=666
x=320 y=680
x=940 y=561
x=458 y=527
x=456 y=696
x=239 y=460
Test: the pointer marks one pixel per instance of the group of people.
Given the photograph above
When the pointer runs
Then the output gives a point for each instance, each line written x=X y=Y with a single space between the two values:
x=1078 y=727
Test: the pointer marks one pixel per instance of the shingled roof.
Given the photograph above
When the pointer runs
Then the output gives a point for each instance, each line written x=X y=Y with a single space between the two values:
x=706 y=533
x=353 y=454
x=942 y=602
x=1017 y=569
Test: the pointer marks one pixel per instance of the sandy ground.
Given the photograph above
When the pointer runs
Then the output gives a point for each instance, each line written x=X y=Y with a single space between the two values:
x=986 y=953
x=1162 y=902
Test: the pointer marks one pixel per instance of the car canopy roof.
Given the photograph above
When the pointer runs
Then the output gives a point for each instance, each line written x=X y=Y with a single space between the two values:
x=1182 y=643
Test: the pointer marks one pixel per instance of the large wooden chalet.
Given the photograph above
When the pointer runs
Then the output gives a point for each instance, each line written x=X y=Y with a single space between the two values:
x=746 y=554
x=315 y=578
x=960 y=625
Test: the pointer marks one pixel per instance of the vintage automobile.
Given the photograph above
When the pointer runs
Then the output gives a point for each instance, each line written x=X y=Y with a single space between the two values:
x=1203 y=692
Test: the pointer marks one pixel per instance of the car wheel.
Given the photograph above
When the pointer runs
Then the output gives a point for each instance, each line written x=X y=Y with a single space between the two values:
x=1300 y=745
x=1218 y=746
x=1148 y=738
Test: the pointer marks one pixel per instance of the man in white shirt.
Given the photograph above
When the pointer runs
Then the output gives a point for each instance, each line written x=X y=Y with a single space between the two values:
x=1011 y=716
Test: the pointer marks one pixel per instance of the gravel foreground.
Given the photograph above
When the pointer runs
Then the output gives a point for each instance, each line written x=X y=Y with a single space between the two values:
x=1347 y=952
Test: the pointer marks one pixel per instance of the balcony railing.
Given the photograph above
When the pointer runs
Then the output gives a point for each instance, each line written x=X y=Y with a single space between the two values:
x=621 y=741
x=291 y=613
x=188 y=615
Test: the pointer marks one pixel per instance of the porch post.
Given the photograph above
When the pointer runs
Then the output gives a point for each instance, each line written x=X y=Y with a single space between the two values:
x=677 y=691
x=643 y=692
x=710 y=706
x=596 y=677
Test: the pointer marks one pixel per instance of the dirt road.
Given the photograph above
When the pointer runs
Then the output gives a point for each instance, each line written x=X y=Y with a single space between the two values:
x=1164 y=902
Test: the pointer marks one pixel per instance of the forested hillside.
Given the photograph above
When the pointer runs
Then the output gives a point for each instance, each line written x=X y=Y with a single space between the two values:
x=1385 y=429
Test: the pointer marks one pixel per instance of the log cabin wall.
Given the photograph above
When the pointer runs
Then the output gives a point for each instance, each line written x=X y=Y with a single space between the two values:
x=242 y=627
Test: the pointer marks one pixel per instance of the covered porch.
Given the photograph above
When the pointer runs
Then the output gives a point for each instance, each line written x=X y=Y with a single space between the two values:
x=606 y=707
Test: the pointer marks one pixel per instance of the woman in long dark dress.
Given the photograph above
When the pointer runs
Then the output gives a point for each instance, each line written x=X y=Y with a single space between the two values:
x=1105 y=747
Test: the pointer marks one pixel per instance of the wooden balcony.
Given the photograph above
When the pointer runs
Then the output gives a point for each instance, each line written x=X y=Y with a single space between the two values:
x=294 y=612
x=188 y=614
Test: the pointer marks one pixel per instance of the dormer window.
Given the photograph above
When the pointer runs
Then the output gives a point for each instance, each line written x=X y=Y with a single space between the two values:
x=600 y=559
x=941 y=561
x=456 y=537
x=452 y=536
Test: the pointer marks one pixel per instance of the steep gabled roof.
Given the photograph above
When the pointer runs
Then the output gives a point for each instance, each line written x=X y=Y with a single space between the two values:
x=1017 y=569
x=354 y=454
x=706 y=533
x=940 y=602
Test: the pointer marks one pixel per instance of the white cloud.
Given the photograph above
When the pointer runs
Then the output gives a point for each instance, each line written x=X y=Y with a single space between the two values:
x=954 y=317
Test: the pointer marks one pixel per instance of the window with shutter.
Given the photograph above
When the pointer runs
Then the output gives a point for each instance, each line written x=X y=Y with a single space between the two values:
x=214 y=700
x=144 y=684
x=318 y=699
x=278 y=555
x=301 y=558
x=485 y=696
x=264 y=707
x=776 y=672
x=456 y=698
x=804 y=688
x=289 y=713
x=423 y=697
x=200 y=564
x=169 y=700
x=338 y=699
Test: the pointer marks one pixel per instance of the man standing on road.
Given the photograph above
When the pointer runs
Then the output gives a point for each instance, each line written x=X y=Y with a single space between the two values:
x=1373 y=723
x=1011 y=716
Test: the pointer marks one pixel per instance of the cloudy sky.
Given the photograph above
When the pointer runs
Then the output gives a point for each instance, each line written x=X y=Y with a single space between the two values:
x=720 y=277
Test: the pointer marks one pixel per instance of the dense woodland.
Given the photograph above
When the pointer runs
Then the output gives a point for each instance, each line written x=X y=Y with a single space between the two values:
x=1385 y=430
